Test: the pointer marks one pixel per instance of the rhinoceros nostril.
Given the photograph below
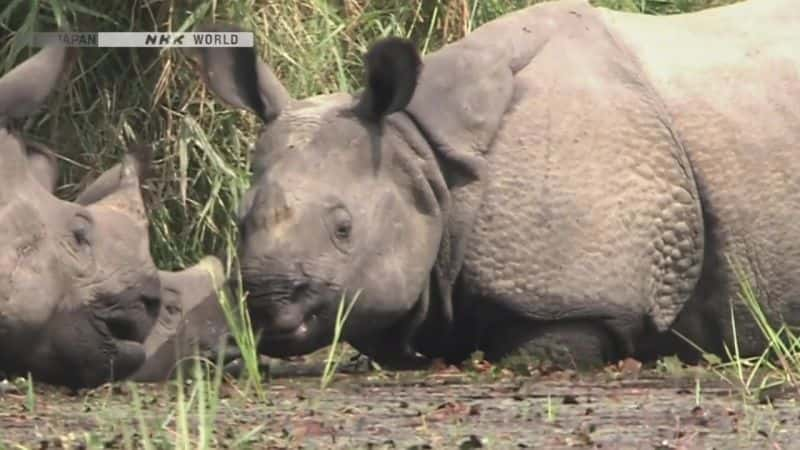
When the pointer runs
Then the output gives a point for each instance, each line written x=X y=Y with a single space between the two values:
x=150 y=296
x=299 y=283
x=122 y=328
x=152 y=304
x=300 y=289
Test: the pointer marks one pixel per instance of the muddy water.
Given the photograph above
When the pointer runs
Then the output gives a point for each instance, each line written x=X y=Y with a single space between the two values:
x=443 y=409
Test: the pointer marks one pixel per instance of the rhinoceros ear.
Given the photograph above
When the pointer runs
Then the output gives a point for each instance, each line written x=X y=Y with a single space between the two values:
x=238 y=77
x=25 y=88
x=392 y=67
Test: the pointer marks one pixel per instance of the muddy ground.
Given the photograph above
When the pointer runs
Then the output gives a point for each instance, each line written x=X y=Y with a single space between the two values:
x=477 y=407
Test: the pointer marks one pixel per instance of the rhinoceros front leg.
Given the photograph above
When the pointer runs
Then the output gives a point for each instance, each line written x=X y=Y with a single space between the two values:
x=580 y=345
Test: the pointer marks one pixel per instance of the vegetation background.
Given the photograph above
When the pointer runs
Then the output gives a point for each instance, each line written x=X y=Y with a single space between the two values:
x=120 y=96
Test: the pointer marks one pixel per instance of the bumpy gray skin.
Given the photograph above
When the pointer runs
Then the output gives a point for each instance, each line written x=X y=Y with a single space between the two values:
x=730 y=78
x=79 y=292
x=564 y=181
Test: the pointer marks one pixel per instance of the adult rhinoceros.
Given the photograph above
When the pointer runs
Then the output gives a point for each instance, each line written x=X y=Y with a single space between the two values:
x=79 y=292
x=565 y=180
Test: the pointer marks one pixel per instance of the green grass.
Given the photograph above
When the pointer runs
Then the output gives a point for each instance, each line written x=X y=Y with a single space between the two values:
x=191 y=421
x=238 y=318
x=30 y=394
x=335 y=354
x=776 y=367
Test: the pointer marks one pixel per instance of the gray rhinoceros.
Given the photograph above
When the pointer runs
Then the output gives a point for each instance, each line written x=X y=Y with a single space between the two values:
x=565 y=180
x=79 y=292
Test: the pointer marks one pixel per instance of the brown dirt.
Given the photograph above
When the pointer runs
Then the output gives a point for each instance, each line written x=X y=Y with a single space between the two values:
x=447 y=408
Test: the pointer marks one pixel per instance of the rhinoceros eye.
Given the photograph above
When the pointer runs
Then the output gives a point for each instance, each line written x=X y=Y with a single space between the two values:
x=343 y=230
x=340 y=227
x=342 y=223
x=81 y=228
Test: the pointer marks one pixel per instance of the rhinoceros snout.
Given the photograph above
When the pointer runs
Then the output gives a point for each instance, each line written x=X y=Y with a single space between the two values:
x=130 y=315
x=292 y=309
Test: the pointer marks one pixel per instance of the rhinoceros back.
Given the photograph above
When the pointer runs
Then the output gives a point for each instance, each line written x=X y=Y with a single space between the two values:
x=591 y=211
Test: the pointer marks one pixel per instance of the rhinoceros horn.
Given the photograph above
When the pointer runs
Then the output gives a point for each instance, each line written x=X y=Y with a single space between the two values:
x=119 y=187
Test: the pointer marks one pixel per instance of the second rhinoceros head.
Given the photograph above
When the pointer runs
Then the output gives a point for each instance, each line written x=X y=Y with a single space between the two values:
x=79 y=291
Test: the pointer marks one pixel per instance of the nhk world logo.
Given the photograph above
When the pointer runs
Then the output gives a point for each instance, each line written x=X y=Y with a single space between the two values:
x=144 y=39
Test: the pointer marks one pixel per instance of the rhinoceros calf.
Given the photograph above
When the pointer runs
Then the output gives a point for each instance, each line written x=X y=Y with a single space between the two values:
x=564 y=181
x=81 y=301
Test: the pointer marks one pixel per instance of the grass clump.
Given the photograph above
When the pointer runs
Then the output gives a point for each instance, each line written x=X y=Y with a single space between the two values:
x=776 y=367
x=246 y=340
x=191 y=422
x=233 y=304
x=779 y=363
x=335 y=354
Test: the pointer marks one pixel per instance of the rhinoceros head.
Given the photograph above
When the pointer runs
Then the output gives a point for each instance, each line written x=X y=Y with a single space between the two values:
x=79 y=292
x=343 y=201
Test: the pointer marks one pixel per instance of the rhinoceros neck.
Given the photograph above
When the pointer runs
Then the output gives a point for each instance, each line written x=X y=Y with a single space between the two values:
x=434 y=300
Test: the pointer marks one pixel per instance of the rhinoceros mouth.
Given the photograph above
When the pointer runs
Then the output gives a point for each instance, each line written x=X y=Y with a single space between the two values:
x=307 y=337
x=299 y=332
x=301 y=325
x=295 y=328
x=290 y=308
